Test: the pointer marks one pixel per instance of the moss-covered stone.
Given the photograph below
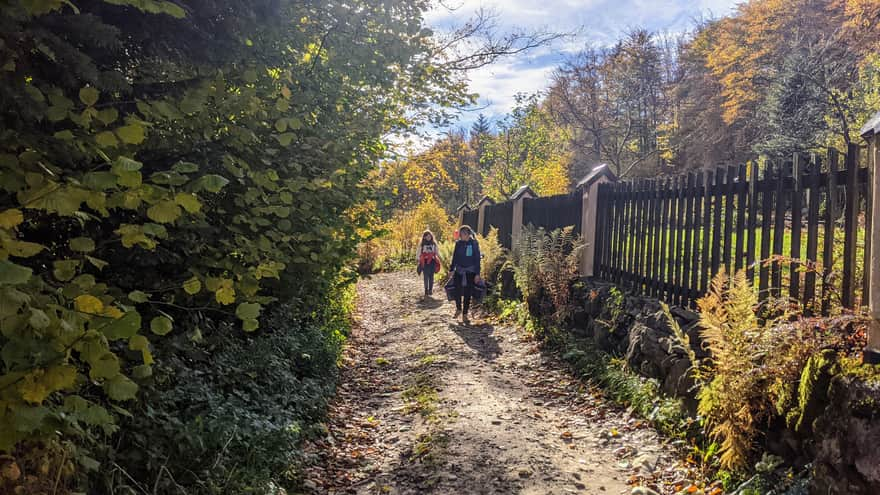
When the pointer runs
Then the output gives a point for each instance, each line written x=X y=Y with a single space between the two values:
x=870 y=374
x=813 y=390
x=847 y=458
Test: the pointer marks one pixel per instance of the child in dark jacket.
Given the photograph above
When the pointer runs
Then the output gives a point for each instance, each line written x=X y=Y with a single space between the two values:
x=465 y=269
x=428 y=257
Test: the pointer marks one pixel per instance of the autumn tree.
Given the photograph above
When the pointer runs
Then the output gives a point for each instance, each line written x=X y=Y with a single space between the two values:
x=479 y=135
x=529 y=149
x=614 y=101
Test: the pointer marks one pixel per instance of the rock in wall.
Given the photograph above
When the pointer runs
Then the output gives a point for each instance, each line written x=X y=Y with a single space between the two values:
x=847 y=438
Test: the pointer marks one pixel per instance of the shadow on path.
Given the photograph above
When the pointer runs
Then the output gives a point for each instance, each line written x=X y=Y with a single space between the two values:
x=429 y=302
x=480 y=338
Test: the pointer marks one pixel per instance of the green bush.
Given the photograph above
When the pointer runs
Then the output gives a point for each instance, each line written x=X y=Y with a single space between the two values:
x=237 y=426
x=170 y=173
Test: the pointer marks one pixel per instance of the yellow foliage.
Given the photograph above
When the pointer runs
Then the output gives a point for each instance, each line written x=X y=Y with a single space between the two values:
x=747 y=47
x=39 y=383
x=754 y=362
x=225 y=294
x=88 y=304
x=404 y=233
x=493 y=253
x=11 y=218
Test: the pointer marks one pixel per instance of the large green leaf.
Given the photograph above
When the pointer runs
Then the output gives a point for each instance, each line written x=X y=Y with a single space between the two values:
x=126 y=164
x=105 y=366
x=12 y=274
x=123 y=328
x=248 y=311
x=100 y=180
x=82 y=244
x=131 y=134
x=65 y=270
x=161 y=325
x=106 y=139
x=164 y=212
x=211 y=183
x=120 y=388
x=88 y=95
x=188 y=201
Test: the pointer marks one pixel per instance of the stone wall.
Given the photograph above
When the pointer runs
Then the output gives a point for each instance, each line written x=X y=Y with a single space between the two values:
x=636 y=328
x=847 y=438
x=837 y=427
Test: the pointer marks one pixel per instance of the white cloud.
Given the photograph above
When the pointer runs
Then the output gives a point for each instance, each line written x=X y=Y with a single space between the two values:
x=499 y=83
x=598 y=22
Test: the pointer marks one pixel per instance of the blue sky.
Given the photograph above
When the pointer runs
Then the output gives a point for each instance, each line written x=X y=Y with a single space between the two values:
x=597 y=22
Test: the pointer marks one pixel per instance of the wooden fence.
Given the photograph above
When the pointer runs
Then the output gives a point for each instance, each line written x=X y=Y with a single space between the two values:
x=470 y=218
x=798 y=228
x=549 y=213
x=500 y=216
x=554 y=212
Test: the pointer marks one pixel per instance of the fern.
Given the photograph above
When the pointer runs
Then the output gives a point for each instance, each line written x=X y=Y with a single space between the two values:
x=734 y=402
x=493 y=253
x=545 y=264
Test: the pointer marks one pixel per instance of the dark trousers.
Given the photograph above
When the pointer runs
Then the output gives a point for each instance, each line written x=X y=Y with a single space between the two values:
x=428 y=274
x=464 y=292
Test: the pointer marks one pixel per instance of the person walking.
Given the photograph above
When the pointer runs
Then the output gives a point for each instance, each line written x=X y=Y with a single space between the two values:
x=428 y=258
x=465 y=269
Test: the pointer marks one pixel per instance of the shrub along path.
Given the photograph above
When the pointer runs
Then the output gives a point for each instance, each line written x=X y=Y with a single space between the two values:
x=428 y=406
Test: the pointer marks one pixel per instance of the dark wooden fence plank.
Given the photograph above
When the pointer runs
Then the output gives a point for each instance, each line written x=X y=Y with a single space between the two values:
x=830 y=219
x=608 y=214
x=851 y=227
x=698 y=228
x=766 y=215
x=658 y=239
x=796 y=211
x=670 y=240
x=778 y=229
x=727 y=249
x=642 y=238
x=621 y=239
x=752 y=222
x=689 y=251
x=664 y=238
x=651 y=239
x=601 y=232
x=742 y=191
x=637 y=225
x=679 y=239
x=707 y=225
x=717 y=194
x=814 y=196
x=675 y=233
x=628 y=232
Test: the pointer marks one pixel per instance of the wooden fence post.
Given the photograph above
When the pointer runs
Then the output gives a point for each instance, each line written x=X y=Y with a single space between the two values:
x=481 y=215
x=589 y=187
x=871 y=133
x=516 y=225
x=460 y=214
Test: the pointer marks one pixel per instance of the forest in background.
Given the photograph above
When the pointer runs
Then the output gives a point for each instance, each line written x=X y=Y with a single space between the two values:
x=774 y=78
x=184 y=186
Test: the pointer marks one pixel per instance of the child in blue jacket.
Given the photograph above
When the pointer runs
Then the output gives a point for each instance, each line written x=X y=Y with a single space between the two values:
x=465 y=269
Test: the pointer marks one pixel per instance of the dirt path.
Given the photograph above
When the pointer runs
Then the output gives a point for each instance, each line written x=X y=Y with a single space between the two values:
x=429 y=406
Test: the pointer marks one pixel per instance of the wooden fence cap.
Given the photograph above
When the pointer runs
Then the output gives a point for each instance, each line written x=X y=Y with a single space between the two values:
x=872 y=127
x=599 y=171
x=484 y=200
x=523 y=191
